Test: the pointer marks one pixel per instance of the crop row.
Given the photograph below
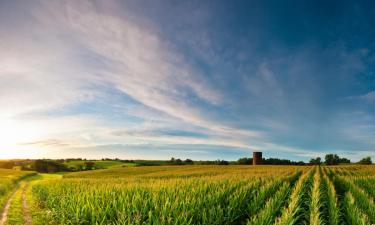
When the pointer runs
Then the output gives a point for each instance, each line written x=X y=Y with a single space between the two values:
x=218 y=199
x=212 y=195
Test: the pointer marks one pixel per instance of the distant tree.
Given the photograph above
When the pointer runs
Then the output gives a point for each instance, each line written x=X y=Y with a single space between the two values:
x=245 y=161
x=276 y=161
x=7 y=164
x=316 y=161
x=344 y=160
x=365 y=161
x=89 y=165
x=222 y=162
x=40 y=166
x=79 y=167
x=189 y=161
x=48 y=166
x=174 y=161
x=332 y=159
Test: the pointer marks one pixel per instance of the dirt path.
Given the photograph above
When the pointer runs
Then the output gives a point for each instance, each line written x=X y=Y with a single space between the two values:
x=17 y=209
x=4 y=215
x=25 y=208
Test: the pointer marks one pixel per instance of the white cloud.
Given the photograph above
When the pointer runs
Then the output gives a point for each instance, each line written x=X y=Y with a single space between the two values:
x=140 y=63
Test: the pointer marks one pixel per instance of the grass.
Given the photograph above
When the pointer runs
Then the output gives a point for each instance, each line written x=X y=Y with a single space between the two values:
x=98 y=164
x=8 y=180
x=15 y=214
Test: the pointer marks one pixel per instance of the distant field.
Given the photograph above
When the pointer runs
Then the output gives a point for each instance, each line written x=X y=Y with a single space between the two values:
x=98 y=164
x=212 y=195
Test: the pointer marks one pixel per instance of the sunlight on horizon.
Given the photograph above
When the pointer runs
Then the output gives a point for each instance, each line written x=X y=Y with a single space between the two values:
x=14 y=136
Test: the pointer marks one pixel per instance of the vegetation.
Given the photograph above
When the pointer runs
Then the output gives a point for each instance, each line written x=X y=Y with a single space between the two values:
x=8 y=180
x=316 y=161
x=79 y=164
x=195 y=194
x=211 y=195
x=333 y=159
x=365 y=161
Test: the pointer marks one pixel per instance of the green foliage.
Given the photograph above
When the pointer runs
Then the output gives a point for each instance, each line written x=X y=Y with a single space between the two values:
x=333 y=159
x=48 y=166
x=316 y=161
x=353 y=214
x=245 y=161
x=8 y=180
x=272 y=208
x=365 y=161
x=295 y=212
x=276 y=161
x=279 y=195
x=316 y=205
x=165 y=195
x=332 y=213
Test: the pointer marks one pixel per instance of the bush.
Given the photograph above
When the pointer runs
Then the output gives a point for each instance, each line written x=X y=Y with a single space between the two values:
x=365 y=161
x=245 y=161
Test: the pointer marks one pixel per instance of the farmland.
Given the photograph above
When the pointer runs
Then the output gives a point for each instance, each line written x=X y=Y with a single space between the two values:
x=8 y=180
x=202 y=195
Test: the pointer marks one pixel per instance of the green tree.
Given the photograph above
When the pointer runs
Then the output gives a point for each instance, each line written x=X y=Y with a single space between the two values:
x=89 y=165
x=332 y=159
x=189 y=161
x=245 y=161
x=316 y=161
x=365 y=161
x=344 y=160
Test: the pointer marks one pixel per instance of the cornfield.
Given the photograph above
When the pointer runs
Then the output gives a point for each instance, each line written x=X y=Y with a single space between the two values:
x=212 y=195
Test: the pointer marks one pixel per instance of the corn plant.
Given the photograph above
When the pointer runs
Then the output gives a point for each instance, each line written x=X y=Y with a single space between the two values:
x=197 y=195
x=333 y=213
x=353 y=214
x=294 y=211
x=272 y=208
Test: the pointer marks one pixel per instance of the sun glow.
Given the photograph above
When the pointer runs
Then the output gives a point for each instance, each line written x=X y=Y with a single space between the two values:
x=14 y=136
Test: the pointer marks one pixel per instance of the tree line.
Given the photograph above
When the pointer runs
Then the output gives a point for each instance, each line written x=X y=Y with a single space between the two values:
x=334 y=159
x=59 y=165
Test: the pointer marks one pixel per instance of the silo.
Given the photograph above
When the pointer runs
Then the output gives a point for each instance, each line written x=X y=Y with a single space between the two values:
x=257 y=158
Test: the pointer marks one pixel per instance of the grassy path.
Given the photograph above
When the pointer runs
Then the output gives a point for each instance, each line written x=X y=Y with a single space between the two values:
x=26 y=210
x=21 y=209
x=5 y=212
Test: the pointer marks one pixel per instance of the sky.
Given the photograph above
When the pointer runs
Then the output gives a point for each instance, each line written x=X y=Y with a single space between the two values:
x=187 y=79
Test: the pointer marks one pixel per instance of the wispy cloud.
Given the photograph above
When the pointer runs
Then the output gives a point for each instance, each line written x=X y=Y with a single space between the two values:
x=48 y=143
x=117 y=73
x=141 y=64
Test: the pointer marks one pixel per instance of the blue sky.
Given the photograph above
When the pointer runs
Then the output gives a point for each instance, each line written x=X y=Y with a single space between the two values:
x=187 y=79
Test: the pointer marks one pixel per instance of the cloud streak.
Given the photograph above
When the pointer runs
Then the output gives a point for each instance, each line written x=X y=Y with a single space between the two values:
x=121 y=73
